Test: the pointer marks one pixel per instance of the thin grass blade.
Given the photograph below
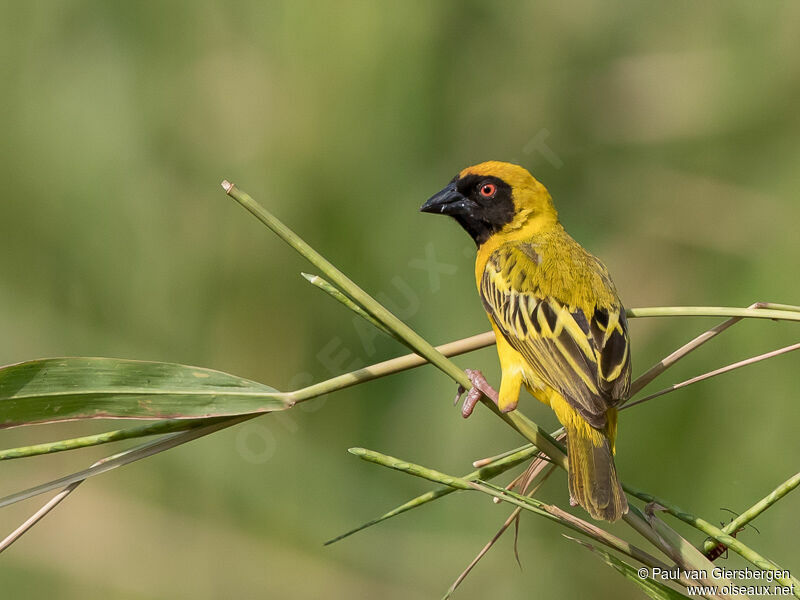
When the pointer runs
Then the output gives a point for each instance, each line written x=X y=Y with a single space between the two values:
x=651 y=587
x=124 y=458
x=512 y=518
x=337 y=295
x=506 y=524
x=722 y=370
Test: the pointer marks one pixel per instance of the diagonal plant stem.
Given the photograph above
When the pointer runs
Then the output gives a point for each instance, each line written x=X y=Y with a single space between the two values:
x=755 y=510
x=666 y=539
x=139 y=452
x=334 y=293
x=488 y=471
x=492 y=459
x=692 y=345
x=488 y=546
x=634 y=517
x=37 y=516
x=781 y=575
x=682 y=550
x=654 y=589
x=531 y=504
x=665 y=531
x=715 y=372
x=42 y=512
x=411 y=338
x=670 y=360
x=665 y=363
x=682 y=577
x=512 y=518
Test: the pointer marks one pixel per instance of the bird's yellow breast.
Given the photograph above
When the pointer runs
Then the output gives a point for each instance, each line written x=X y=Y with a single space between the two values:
x=526 y=232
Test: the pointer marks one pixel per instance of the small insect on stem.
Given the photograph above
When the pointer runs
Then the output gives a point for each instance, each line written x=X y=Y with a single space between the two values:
x=721 y=549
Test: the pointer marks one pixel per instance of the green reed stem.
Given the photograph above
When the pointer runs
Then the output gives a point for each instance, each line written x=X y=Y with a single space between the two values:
x=156 y=428
x=755 y=510
x=165 y=442
x=411 y=338
x=781 y=575
x=334 y=293
x=390 y=367
x=721 y=371
x=488 y=471
x=714 y=311
x=525 y=502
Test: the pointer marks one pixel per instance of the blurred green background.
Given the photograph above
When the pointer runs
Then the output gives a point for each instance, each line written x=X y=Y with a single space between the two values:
x=666 y=132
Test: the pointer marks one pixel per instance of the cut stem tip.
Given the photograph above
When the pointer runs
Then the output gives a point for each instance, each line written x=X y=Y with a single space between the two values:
x=227 y=186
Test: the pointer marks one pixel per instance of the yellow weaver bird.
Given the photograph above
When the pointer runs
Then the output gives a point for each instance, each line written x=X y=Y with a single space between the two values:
x=560 y=326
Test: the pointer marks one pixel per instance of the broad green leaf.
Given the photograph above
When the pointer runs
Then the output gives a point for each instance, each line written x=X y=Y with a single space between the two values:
x=62 y=389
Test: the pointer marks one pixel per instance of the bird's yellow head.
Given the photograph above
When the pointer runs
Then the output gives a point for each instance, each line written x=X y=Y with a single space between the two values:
x=494 y=197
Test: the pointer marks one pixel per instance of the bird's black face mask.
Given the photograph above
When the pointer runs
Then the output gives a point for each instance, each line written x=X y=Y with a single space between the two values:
x=481 y=204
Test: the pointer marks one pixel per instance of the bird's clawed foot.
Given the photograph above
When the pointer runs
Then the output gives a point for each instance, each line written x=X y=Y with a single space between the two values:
x=479 y=387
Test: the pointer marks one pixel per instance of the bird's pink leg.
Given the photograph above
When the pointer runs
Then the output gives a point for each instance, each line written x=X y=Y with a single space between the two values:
x=479 y=387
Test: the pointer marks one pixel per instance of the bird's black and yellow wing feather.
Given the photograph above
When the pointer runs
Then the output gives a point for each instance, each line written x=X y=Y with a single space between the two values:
x=576 y=345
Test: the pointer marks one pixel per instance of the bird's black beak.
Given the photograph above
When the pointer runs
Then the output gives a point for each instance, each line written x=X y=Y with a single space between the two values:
x=448 y=202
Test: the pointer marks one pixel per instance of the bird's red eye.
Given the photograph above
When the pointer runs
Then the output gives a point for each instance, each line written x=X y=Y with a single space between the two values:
x=488 y=190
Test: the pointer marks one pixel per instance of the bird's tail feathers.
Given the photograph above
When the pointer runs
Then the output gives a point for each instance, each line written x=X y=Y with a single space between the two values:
x=593 y=481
